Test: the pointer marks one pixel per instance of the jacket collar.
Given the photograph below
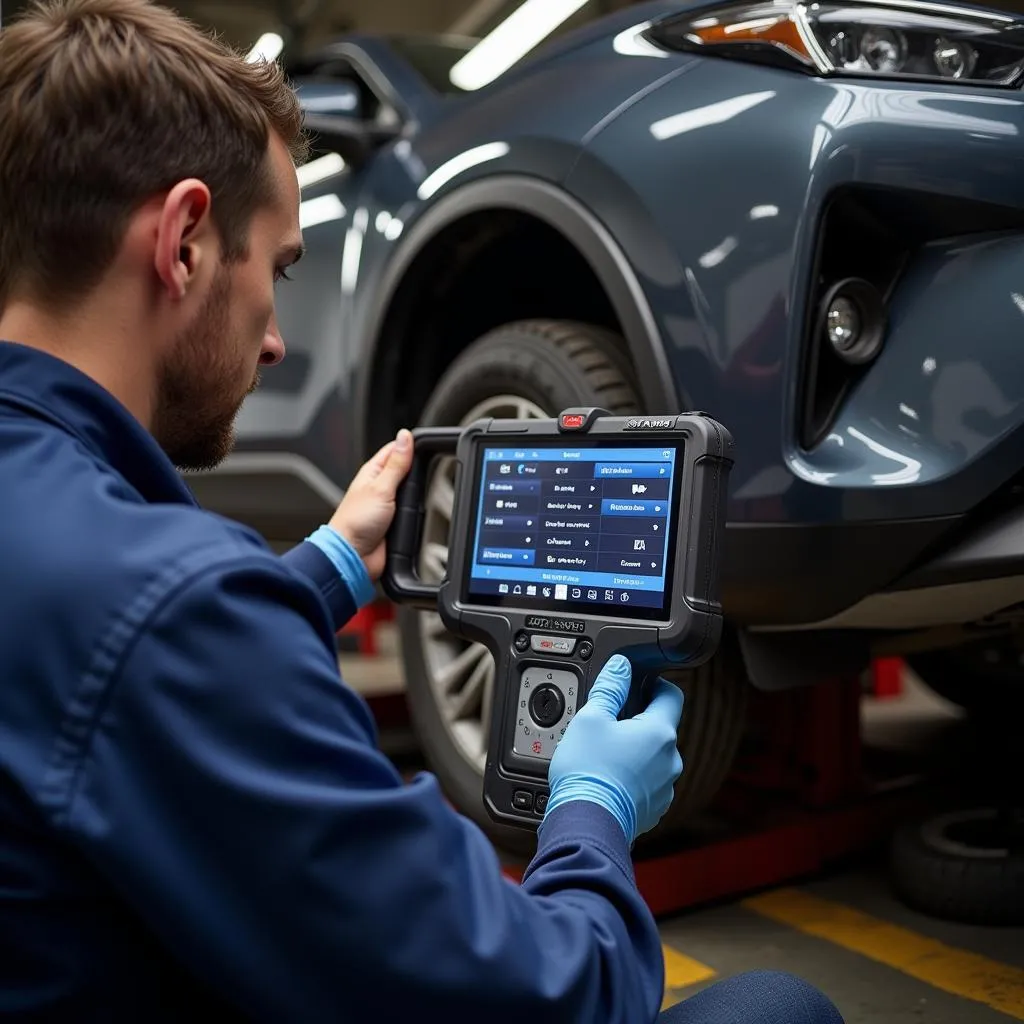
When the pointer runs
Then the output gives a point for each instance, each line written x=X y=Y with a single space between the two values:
x=46 y=388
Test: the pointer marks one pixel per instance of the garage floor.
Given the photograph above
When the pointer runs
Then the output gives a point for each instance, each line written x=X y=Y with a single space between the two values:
x=879 y=962
x=844 y=932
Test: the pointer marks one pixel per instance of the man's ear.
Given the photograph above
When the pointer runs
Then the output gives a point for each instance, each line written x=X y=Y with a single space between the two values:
x=185 y=236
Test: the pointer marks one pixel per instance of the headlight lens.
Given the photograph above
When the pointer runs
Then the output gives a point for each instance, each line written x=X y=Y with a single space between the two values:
x=915 y=41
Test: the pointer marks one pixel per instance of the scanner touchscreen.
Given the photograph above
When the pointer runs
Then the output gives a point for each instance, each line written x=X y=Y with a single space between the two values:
x=589 y=526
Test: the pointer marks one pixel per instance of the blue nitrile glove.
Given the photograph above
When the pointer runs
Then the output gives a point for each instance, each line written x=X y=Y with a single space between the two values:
x=627 y=767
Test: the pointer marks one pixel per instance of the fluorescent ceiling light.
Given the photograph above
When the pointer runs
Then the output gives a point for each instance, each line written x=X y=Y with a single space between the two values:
x=332 y=103
x=321 y=210
x=268 y=47
x=531 y=22
x=320 y=169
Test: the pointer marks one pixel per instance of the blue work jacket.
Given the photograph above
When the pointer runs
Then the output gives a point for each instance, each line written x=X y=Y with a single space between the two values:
x=194 y=813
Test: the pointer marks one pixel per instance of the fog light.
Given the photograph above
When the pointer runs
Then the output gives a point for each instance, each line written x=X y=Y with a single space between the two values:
x=843 y=323
x=852 y=319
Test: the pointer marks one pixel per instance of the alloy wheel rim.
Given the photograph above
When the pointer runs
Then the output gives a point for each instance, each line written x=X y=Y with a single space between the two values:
x=460 y=673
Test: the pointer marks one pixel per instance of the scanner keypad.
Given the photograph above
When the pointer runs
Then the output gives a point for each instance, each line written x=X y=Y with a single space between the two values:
x=546 y=705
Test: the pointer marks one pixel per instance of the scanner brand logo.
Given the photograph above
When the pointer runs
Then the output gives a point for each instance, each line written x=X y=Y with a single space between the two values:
x=665 y=423
x=555 y=625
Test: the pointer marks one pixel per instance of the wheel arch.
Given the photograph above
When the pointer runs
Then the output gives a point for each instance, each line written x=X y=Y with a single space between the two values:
x=409 y=283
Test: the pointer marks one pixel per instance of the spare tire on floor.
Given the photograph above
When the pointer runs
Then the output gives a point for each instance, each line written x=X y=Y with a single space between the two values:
x=964 y=865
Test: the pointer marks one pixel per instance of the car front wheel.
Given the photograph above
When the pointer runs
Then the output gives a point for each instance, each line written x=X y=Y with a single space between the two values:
x=535 y=369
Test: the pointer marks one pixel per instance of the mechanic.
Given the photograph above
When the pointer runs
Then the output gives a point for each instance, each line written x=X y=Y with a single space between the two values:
x=194 y=815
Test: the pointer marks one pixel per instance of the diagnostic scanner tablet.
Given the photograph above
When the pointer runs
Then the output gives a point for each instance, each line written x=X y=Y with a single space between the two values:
x=572 y=539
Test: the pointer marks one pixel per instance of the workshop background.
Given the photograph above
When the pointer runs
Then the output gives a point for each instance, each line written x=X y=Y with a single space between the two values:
x=808 y=894
x=306 y=24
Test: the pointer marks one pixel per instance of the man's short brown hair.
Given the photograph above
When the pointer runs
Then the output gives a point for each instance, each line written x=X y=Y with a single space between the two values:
x=105 y=104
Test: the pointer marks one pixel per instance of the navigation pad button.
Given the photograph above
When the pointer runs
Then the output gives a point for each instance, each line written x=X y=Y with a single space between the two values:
x=547 y=702
x=553 y=644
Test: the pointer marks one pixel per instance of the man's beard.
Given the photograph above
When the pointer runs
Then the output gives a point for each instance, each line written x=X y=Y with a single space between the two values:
x=197 y=398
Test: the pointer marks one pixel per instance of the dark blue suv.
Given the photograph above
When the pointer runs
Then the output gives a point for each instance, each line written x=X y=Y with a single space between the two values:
x=805 y=219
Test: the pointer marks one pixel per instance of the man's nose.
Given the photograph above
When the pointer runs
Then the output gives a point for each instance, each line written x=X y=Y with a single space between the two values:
x=273 y=345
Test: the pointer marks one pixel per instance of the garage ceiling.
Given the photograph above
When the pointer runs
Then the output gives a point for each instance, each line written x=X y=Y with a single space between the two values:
x=310 y=22
x=243 y=21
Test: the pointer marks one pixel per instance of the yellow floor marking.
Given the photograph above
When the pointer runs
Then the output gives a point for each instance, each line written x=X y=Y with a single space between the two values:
x=952 y=970
x=682 y=971
x=670 y=1000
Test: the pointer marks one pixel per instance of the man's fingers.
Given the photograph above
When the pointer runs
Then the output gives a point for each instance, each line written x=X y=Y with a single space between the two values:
x=396 y=465
x=375 y=466
x=665 y=704
x=611 y=687
x=372 y=468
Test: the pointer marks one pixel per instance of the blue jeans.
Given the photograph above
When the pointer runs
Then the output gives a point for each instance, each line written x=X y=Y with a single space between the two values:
x=760 y=997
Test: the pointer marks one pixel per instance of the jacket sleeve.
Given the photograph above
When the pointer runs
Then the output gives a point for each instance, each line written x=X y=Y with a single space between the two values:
x=230 y=789
x=316 y=566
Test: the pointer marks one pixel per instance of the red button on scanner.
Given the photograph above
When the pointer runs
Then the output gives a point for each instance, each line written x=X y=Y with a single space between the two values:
x=573 y=421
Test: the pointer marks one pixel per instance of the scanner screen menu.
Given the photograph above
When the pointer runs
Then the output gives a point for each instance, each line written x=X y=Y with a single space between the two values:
x=590 y=526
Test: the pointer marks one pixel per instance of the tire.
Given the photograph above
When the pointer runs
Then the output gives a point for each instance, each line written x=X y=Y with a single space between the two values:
x=985 y=678
x=960 y=867
x=714 y=718
x=534 y=369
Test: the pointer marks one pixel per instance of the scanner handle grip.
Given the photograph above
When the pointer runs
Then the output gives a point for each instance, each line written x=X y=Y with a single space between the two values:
x=400 y=581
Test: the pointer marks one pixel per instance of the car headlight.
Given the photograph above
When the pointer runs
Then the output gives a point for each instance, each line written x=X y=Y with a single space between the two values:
x=896 y=39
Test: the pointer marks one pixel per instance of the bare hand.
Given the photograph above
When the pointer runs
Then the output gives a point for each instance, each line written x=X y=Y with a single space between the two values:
x=366 y=511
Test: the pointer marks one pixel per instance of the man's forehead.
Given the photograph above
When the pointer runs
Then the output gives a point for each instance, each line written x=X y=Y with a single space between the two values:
x=281 y=161
x=284 y=176
x=287 y=198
